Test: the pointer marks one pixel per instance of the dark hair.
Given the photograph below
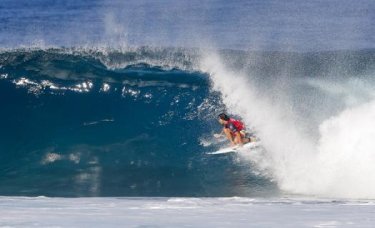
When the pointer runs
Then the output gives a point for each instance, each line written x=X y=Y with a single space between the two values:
x=223 y=116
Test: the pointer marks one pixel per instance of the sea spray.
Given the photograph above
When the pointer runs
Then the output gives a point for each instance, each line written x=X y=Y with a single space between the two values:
x=273 y=122
x=337 y=165
x=346 y=153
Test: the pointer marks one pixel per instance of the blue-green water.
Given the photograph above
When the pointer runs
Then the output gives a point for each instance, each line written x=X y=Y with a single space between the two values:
x=78 y=123
x=114 y=98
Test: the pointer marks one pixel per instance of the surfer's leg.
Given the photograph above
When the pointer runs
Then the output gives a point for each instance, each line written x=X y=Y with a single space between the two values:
x=228 y=134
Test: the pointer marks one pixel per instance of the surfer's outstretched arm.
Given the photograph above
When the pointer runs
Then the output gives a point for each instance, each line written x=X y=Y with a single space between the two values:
x=219 y=135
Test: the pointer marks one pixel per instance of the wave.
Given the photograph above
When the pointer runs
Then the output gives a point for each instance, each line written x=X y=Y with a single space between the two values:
x=137 y=122
x=89 y=123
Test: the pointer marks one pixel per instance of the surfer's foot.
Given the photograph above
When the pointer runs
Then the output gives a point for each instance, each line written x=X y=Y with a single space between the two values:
x=246 y=140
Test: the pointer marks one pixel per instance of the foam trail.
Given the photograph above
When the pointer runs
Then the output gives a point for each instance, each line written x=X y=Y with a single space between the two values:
x=339 y=165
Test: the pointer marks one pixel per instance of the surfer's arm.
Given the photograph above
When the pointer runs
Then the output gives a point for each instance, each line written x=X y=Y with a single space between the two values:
x=218 y=135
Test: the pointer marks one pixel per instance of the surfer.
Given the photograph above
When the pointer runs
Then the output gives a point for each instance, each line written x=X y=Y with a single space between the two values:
x=234 y=130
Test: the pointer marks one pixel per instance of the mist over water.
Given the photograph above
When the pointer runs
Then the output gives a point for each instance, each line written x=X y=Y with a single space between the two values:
x=300 y=74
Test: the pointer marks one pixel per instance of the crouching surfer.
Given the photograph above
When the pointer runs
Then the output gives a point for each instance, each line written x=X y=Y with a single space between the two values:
x=234 y=130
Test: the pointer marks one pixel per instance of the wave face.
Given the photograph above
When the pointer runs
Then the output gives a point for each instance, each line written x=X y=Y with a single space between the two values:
x=93 y=123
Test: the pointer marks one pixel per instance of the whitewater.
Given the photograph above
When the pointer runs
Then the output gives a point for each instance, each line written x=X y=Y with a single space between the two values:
x=106 y=119
x=342 y=154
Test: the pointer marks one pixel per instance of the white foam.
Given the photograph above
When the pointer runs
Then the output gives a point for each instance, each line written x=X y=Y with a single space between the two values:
x=182 y=212
x=347 y=153
x=24 y=81
x=130 y=92
x=51 y=157
x=75 y=157
x=82 y=87
x=105 y=87
x=339 y=165
x=46 y=83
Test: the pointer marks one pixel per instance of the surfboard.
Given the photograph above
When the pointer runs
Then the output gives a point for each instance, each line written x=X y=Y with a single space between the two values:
x=235 y=149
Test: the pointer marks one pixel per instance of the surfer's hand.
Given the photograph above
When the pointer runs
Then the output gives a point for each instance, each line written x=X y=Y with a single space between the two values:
x=217 y=135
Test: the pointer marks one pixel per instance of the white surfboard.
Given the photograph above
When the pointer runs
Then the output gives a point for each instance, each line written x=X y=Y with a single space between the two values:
x=235 y=149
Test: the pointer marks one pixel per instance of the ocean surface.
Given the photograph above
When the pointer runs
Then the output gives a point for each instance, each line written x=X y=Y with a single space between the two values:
x=120 y=99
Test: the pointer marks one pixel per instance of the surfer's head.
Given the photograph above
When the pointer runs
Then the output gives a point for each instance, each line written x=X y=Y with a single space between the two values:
x=223 y=118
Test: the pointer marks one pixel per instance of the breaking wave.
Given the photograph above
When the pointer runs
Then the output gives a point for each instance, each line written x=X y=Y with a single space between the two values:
x=138 y=122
